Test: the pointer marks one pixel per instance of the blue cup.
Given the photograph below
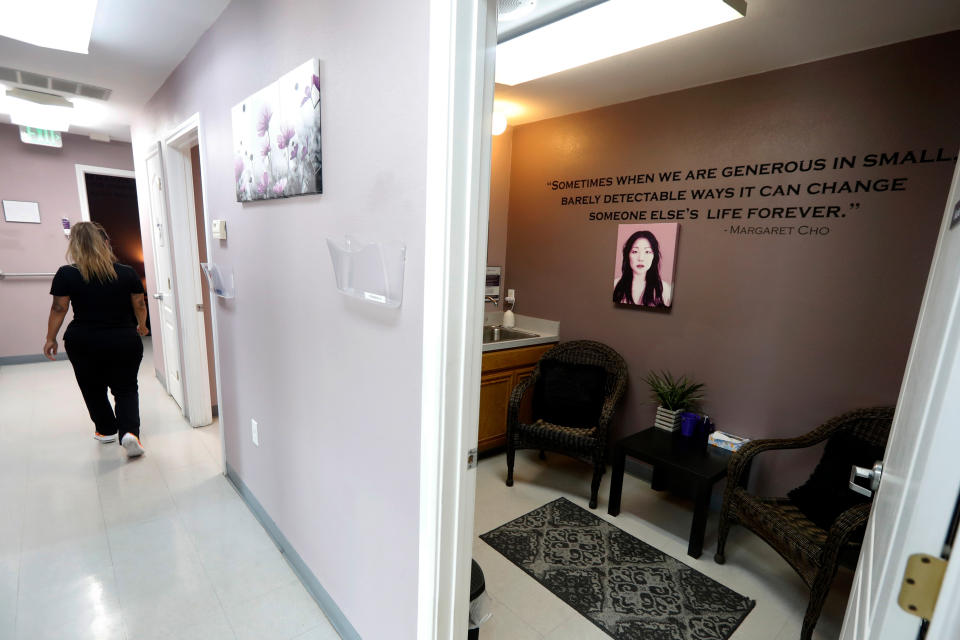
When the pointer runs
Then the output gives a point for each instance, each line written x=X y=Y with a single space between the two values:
x=690 y=423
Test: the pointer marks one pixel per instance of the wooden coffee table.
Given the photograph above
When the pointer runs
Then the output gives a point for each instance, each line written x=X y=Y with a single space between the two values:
x=688 y=466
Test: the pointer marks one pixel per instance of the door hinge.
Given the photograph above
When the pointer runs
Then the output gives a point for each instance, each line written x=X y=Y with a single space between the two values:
x=472 y=458
x=921 y=584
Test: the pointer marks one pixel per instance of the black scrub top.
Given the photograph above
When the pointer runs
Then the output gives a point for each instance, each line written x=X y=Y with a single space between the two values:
x=102 y=305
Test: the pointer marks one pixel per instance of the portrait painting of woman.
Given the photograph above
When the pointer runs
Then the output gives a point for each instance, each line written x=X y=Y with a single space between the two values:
x=646 y=255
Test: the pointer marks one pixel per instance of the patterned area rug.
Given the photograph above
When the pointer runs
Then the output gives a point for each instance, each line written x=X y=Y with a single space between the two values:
x=624 y=586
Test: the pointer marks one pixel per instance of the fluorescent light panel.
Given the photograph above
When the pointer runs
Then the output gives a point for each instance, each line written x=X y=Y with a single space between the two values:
x=55 y=24
x=607 y=29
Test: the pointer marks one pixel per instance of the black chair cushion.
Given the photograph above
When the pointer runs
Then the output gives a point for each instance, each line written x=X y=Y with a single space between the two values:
x=569 y=394
x=827 y=494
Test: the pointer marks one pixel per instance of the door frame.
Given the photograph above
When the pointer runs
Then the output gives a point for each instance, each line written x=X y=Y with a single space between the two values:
x=462 y=38
x=182 y=216
x=82 y=171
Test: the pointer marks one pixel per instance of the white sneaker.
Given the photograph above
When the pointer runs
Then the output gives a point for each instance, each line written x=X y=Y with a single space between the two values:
x=132 y=444
x=108 y=438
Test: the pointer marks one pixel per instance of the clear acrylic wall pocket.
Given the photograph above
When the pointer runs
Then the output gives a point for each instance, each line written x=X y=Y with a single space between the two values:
x=370 y=271
x=220 y=279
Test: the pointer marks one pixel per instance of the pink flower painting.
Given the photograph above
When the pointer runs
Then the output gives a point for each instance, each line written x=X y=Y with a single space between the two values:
x=276 y=137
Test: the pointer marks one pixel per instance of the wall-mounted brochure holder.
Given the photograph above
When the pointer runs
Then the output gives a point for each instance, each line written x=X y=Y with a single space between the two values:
x=220 y=279
x=370 y=271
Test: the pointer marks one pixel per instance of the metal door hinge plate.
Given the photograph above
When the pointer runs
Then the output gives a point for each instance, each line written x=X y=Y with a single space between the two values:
x=472 y=458
x=921 y=584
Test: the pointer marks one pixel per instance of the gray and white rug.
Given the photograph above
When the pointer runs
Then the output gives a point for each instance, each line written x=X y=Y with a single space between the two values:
x=623 y=585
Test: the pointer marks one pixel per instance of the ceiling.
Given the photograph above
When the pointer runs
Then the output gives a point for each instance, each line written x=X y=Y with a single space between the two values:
x=775 y=34
x=134 y=46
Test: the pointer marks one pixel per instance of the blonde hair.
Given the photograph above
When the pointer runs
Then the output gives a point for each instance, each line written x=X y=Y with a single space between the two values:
x=90 y=250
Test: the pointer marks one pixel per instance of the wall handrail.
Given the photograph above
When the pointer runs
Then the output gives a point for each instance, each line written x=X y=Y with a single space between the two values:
x=4 y=275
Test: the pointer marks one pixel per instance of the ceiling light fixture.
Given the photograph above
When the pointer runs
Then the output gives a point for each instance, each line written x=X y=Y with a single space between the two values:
x=55 y=24
x=36 y=109
x=604 y=30
x=508 y=10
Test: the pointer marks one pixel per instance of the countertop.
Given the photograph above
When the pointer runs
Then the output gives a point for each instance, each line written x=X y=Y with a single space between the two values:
x=546 y=331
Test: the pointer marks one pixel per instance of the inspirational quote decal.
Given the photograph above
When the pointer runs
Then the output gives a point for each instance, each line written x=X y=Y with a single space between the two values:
x=795 y=199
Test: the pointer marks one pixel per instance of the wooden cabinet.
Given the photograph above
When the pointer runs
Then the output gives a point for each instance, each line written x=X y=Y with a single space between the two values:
x=500 y=373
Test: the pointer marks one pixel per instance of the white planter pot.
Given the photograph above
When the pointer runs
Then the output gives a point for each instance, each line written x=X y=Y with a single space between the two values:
x=667 y=420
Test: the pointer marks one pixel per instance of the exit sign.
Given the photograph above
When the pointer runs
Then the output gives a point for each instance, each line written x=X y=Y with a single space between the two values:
x=44 y=137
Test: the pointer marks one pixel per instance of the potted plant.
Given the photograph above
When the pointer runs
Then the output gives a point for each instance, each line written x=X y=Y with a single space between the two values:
x=674 y=396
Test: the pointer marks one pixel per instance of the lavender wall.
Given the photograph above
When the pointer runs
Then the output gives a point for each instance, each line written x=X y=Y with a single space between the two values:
x=46 y=176
x=334 y=383
x=785 y=331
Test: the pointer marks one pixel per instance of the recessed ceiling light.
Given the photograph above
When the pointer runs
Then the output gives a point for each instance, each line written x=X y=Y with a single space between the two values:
x=55 y=24
x=604 y=30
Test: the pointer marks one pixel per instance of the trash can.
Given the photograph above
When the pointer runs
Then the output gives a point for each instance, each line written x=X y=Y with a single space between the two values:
x=479 y=609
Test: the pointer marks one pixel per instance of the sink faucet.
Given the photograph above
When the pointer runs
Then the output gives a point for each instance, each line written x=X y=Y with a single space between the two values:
x=492 y=299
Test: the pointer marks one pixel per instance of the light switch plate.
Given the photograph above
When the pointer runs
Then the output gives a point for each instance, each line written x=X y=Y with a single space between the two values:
x=219 y=229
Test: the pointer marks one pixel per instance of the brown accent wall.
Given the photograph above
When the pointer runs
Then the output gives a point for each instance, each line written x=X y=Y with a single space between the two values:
x=784 y=330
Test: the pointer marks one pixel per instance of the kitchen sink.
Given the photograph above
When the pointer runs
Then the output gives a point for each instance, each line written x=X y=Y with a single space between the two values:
x=499 y=334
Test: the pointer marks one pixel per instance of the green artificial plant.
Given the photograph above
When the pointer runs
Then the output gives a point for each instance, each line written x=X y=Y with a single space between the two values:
x=674 y=394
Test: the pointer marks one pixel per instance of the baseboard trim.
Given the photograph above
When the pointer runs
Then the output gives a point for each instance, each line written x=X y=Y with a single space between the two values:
x=28 y=359
x=313 y=586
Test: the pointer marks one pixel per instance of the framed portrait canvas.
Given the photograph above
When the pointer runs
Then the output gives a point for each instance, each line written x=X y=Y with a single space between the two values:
x=644 y=266
x=276 y=138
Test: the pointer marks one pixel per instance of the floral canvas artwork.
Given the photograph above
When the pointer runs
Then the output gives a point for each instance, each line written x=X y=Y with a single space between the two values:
x=276 y=138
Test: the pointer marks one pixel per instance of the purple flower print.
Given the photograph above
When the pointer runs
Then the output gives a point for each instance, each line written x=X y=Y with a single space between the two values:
x=308 y=89
x=237 y=168
x=262 y=185
x=284 y=137
x=263 y=123
x=279 y=186
x=265 y=151
x=294 y=150
x=303 y=153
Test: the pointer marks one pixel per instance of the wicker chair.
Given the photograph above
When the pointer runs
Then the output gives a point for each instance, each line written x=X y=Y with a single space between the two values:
x=587 y=443
x=815 y=553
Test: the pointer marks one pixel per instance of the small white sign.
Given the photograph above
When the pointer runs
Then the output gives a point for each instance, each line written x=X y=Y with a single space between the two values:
x=17 y=211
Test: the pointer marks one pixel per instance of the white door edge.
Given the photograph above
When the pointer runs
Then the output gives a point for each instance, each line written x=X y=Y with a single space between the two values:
x=460 y=99
x=182 y=219
x=82 y=170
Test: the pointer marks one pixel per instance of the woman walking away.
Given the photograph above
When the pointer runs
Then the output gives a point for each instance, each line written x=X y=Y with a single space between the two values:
x=103 y=340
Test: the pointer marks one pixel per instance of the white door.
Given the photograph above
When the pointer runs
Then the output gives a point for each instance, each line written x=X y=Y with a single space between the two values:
x=921 y=473
x=164 y=270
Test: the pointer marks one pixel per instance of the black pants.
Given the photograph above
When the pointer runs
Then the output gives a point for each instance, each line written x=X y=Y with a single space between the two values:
x=103 y=358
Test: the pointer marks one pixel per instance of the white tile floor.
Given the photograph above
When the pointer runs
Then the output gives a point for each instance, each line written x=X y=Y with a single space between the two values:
x=522 y=609
x=96 y=547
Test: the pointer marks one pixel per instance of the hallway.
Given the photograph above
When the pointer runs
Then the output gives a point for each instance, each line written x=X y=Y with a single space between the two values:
x=94 y=547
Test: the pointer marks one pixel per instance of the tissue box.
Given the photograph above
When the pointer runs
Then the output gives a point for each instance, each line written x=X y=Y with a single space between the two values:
x=726 y=441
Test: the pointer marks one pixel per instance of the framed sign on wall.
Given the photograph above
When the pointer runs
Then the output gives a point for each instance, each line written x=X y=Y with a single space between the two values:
x=19 y=211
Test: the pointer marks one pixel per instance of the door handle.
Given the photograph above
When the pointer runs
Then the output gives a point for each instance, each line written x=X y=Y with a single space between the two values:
x=158 y=296
x=873 y=475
